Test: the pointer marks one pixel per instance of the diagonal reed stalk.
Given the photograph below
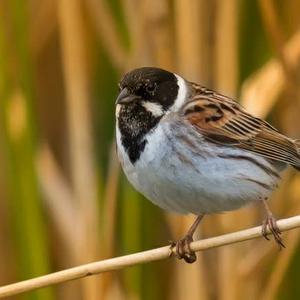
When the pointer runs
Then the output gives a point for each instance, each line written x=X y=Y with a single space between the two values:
x=139 y=258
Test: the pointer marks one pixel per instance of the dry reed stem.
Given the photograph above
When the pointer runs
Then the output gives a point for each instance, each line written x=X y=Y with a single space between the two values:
x=107 y=30
x=187 y=21
x=138 y=258
x=74 y=61
x=42 y=25
x=255 y=260
x=189 y=281
x=157 y=29
x=207 y=38
x=266 y=84
x=131 y=10
x=134 y=17
x=110 y=214
x=226 y=62
x=274 y=30
x=226 y=47
x=281 y=266
x=58 y=198
x=110 y=200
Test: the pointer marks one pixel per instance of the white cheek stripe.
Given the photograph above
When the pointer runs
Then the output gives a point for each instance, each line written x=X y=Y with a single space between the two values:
x=118 y=107
x=154 y=108
x=182 y=94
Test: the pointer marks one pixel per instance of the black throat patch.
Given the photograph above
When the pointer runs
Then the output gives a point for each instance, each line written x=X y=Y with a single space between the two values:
x=134 y=123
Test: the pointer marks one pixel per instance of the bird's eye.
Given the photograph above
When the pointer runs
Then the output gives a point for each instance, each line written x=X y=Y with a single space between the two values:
x=150 y=88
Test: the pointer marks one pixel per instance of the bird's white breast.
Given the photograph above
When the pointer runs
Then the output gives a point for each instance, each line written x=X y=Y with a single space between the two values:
x=176 y=177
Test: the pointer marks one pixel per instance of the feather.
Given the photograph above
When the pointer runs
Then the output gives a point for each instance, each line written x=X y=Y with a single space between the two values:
x=222 y=120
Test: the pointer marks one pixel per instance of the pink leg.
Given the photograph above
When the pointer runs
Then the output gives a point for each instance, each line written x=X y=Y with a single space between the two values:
x=183 y=249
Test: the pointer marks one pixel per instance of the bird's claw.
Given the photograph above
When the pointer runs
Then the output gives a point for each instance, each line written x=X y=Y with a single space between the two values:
x=183 y=250
x=271 y=225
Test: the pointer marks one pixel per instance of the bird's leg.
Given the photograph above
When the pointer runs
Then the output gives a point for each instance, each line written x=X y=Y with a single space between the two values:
x=270 y=224
x=183 y=249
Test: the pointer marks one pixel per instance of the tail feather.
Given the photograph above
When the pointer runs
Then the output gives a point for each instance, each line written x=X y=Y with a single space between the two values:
x=297 y=144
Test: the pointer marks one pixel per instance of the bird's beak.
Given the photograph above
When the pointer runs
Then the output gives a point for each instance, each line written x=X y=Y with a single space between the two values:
x=125 y=97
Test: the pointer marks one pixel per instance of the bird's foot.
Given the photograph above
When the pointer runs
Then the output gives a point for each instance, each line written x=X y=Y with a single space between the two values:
x=183 y=250
x=270 y=224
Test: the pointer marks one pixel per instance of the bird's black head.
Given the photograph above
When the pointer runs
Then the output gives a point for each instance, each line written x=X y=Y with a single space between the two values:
x=145 y=96
x=148 y=85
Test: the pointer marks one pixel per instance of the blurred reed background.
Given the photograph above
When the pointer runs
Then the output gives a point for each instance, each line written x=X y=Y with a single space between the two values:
x=63 y=199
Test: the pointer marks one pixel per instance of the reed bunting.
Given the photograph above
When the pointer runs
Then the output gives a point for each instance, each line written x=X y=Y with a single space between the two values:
x=189 y=149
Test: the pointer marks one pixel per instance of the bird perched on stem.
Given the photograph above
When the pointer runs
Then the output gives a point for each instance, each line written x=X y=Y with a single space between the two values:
x=189 y=149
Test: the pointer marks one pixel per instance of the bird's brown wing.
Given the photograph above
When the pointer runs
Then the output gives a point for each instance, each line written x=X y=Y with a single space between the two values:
x=222 y=120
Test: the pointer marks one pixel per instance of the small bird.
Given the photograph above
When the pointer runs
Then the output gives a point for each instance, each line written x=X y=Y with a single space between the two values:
x=189 y=149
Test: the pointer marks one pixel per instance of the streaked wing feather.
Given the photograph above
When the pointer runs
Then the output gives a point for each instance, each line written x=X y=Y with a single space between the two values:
x=222 y=120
